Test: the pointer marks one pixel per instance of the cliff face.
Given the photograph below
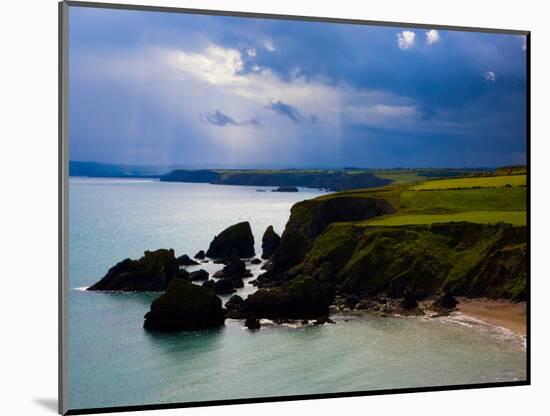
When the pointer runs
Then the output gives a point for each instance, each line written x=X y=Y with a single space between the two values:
x=324 y=240
x=310 y=218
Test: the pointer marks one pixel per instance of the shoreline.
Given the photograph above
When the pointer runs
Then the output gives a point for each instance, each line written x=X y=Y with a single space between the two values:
x=496 y=312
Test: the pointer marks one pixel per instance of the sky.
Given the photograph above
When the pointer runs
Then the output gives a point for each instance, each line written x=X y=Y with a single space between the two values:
x=155 y=88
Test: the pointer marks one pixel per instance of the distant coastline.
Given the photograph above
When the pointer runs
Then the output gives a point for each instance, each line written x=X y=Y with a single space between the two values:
x=342 y=179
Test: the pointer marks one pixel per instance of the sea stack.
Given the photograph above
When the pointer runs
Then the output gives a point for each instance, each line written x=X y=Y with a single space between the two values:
x=184 y=307
x=152 y=272
x=236 y=240
x=270 y=242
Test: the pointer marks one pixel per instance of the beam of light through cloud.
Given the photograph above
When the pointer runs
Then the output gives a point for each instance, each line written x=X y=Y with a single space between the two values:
x=244 y=91
x=405 y=39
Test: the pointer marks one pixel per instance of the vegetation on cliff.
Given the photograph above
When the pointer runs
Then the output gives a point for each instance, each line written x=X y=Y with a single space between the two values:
x=429 y=238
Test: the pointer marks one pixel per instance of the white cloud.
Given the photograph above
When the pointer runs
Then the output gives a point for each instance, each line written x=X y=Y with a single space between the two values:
x=212 y=81
x=432 y=36
x=405 y=39
x=251 y=52
x=490 y=76
x=268 y=44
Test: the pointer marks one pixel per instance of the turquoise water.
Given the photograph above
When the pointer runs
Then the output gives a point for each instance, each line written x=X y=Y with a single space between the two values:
x=114 y=362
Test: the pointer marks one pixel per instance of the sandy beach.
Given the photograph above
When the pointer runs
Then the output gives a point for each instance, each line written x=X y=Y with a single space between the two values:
x=503 y=313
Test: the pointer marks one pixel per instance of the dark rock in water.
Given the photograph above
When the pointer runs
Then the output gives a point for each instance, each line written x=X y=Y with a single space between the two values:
x=255 y=261
x=200 y=255
x=323 y=320
x=205 y=261
x=270 y=242
x=224 y=287
x=252 y=323
x=198 y=275
x=235 y=302
x=237 y=283
x=183 y=274
x=209 y=284
x=300 y=298
x=260 y=190
x=235 y=269
x=446 y=301
x=185 y=260
x=409 y=300
x=184 y=306
x=152 y=272
x=236 y=240
x=286 y=189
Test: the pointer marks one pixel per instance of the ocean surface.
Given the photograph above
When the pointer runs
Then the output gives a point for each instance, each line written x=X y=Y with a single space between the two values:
x=115 y=362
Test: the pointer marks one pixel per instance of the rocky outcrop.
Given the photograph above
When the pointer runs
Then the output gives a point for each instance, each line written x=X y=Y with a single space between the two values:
x=236 y=269
x=301 y=298
x=445 y=302
x=198 y=275
x=270 y=242
x=466 y=259
x=185 y=306
x=223 y=287
x=252 y=323
x=286 y=189
x=185 y=260
x=310 y=218
x=200 y=255
x=236 y=240
x=234 y=306
x=152 y=272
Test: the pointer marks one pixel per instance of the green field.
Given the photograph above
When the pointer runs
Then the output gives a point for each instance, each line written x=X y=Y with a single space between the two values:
x=483 y=182
x=484 y=199
x=400 y=176
x=497 y=199
x=484 y=217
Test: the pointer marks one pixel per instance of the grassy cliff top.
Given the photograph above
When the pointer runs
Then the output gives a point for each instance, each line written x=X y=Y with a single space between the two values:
x=483 y=199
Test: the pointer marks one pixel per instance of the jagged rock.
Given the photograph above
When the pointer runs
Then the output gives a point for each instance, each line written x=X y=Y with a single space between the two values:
x=270 y=242
x=300 y=298
x=198 y=275
x=252 y=323
x=184 y=306
x=236 y=240
x=200 y=255
x=185 y=260
x=152 y=272
x=409 y=300
x=235 y=302
x=235 y=269
x=445 y=301
x=224 y=287
x=209 y=284
x=255 y=261
x=237 y=283
x=323 y=320
x=183 y=274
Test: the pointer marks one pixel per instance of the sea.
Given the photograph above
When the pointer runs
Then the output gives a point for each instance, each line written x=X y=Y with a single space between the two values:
x=113 y=361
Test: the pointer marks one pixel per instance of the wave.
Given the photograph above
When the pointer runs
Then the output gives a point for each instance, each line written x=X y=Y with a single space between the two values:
x=458 y=318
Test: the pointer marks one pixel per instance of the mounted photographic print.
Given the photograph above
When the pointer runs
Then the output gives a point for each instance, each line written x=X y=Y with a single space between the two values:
x=263 y=207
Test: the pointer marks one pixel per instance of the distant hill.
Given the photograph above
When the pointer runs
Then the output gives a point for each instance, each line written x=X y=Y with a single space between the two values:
x=103 y=170
x=333 y=180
